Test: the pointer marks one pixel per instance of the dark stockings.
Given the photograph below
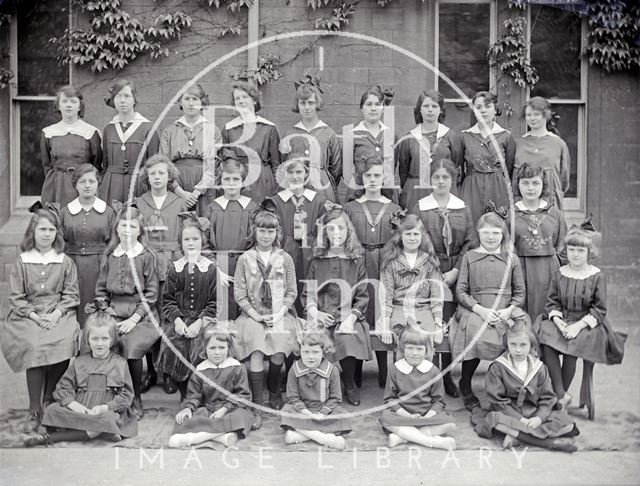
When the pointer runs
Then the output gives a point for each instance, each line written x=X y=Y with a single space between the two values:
x=469 y=367
x=135 y=368
x=561 y=375
x=348 y=365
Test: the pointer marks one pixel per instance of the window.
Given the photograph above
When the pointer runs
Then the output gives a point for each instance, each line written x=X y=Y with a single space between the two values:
x=38 y=76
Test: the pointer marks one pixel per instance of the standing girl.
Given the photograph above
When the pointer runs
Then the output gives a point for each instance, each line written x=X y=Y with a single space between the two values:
x=86 y=222
x=315 y=139
x=484 y=167
x=371 y=215
x=449 y=223
x=190 y=300
x=259 y=142
x=192 y=143
x=66 y=145
x=123 y=140
x=120 y=289
x=313 y=390
x=94 y=395
x=486 y=305
x=335 y=295
x=41 y=331
x=539 y=236
x=265 y=290
x=211 y=409
x=429 y=141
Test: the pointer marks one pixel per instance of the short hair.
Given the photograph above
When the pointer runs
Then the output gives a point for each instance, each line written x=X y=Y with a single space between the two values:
x=590 y=240
x=365 y=163
x=519 y=329
x=100 y=320
x=528 y=171
x=221 y=334
x=230 y=166
x=83 y=169
x=29 y=240
x=174 y=173
x=447 y=165
x=373 y=90
x=314 y=337
x=70 y=92
x=269 y=220
x=198 y=90
x=250 y=90
x=304 y=92
x=435 y=96
x=538 y=103
x=118 y=86
x=418 y=337
x=489 y=97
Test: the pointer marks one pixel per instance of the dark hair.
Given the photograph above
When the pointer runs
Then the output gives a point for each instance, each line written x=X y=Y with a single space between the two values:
x=493 y=219
x=538 y=103
x=393 y=248
x=118 y=86
x=418 y=337
x=222 y=334
x=269 y=220
x=83 y=169
x=527 y=171
x=447 y=165
x=29 y=240
x=188 y=224
x=154 y=160
x=314 y=337
x=123 y=213
x=70 y=92
x=435 y=96
x=373 y=90
x=231 y=166
x=352 y=247
x=304 y=92
x=250 y=90
x=364 y=164
x=195 y=89
x=488 y=98
x=586 y=239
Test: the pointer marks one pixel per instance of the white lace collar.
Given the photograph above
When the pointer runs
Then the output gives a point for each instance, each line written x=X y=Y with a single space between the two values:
x=227 y=363
x=242 y=200
x=429 y=202
x=301 y=126
x=494 y=130
x=203 y=263
x=34 y=256
x=183 y=121
x=381 y=199
x=541 y=205
x=404 y=367
x=569 y=272
x=533 y=366
x=132 y=253
x=80 y=127
x=239 y=121
x=137 y=118
x=286 y=194
x=440 y=132
x=75 y=207
x=361 y=127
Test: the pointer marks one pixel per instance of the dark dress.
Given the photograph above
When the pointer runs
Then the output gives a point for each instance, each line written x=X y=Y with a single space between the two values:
x=86 y=234
x=91 y=382
x=63 y=148
x=119 y=166
x=317 y=390
x=203 y=398
x=190 y=295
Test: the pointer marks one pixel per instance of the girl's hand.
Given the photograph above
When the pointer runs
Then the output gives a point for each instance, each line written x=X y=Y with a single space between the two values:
x=306 y=411
x=126 y=326
x=488 y=315
x=180 y=327
x=219 y=413
x=183 y=414
x=98 y=410
x=505 y=314
x=403 y=412
x=224 y=279
x=450 y=277
x=192 y=198
x=347 y=326
x=560 y=324
x=77 y=407
x=50 y=320
x=533 y=422
x=572 y=330
x=272 y=319
x=322 y=318
x=385 y=336
x=193 y=331
x=430 y=413
x=37 y=319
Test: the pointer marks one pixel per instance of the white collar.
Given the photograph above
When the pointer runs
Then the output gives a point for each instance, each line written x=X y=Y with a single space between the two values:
x=541 y=205
x=361 y=127
x=476 y=129
x=533 y=366
x=549 y=134
x=301 y=126
x=239 y=121
x=484 y=251
x=137 y=118
x=286 y=194
x=60 y=129
x=569 y=272
x=203 y=263
x=223 y=201
x=34 y=256
x=381 y=199
x=440 y=132
x=183 y=121
x=75 y=207
x=429 y=202
x=405 y=368
x=227 y=363
x=132 y=253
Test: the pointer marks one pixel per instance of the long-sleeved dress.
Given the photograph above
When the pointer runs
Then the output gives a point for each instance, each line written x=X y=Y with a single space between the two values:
x=317 y=390
x=483 y=172
x=203 y=399
x=190 y=294
x=539 y=242
x=323 y=147
x=116 y=286
x=91 y=382
x=230 y=237
x=64 y=147
x=256 y=144
x=415 y=152
x=193 y=149
x=372 y=223
x=512 y=397
x=552 y=154
x=575 y=296
x=332 y=285
x=424 y=384
x=267 y=288
x=86 y=234
x=122 y=146
x=479 y=282
x=41 y=284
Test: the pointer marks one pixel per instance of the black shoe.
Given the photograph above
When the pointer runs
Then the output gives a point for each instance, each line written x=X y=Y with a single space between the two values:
x=352 y=395
x=563 y=444
x=33 y=422
x=148 y=381
x=275 y=400
x=257 y=420
x=450 y=387
x=137 y=409
x=36 y=440
x=470 y=401
x=169 y=385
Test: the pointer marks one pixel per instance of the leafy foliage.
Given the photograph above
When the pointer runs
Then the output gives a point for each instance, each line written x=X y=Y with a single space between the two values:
x=509 y=54
x=267 y=70
x=339 y=16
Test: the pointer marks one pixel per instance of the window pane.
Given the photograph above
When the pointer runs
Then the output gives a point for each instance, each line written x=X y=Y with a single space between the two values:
x=38 y=70
x=34 y=116
x=463 y=43
x=555 y=52
x=568 y=129
x=458 y=116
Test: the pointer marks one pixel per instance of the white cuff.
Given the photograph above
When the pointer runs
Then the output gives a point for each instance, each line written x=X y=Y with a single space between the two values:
x=555 y=313
x=590 y=320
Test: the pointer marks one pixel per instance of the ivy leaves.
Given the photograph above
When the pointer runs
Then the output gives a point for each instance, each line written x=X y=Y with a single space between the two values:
x=509 y=54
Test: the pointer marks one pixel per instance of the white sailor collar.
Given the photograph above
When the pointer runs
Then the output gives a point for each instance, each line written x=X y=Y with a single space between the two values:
x=286 y=194
x=183 y=121
x=34 y=256
x=541 y=205
x=132 y=253
x=75 y=207
x=405 y=368
x=301 y=126
x=381 y=199
x=440 y=132
x=223 y=201
x=137 y=118
x=227 y=363
x=323 y=369
x=494 y=130
x=80 y=127
x=533 y=366
x=203 y=263
x=567 y=271
x=361 y=127
x=239 y=121
x=429 y=202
